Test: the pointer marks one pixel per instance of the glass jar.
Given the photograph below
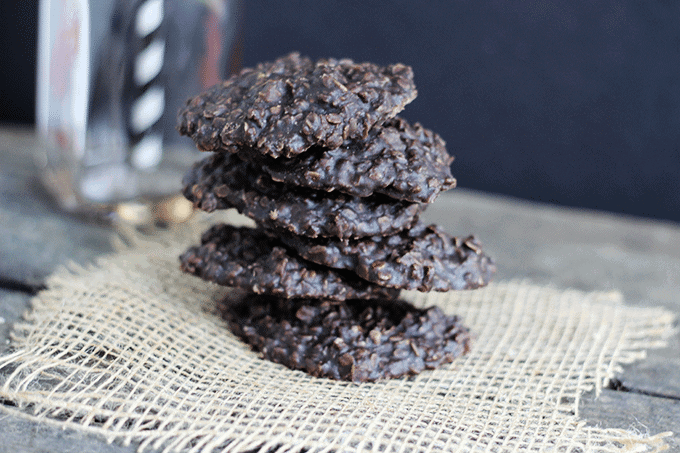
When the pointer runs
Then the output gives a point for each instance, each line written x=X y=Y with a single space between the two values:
x=111 y=78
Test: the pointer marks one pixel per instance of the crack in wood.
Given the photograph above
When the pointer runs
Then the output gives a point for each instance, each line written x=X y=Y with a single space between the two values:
x=11 y=284
x=619 y=386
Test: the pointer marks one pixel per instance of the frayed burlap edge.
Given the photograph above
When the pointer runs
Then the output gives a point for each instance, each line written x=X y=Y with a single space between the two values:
x=131 y=349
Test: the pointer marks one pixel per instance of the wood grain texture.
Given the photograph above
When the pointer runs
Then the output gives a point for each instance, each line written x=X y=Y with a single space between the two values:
x=634 y=412
x=35 y=236
x=12 y=305
x=20 y=435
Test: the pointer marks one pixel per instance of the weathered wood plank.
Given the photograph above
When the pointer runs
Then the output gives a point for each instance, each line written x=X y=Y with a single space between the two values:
x=33 y=244
x=656 y=375
x=35 y=236
x=26 y=436
x=12 y=306
x=633 y=412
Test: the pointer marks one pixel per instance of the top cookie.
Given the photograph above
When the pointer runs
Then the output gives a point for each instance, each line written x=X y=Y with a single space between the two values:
x=284 y=107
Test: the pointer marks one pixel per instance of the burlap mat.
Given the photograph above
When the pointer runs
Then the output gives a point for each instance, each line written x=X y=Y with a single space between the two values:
x=129 y=348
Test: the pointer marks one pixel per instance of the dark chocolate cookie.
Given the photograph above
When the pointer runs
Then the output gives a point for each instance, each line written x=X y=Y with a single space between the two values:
x=352 y=340
x=247 y=258
x=284 y=107
x=224 y=181
x=399 y=160
x=423 y=258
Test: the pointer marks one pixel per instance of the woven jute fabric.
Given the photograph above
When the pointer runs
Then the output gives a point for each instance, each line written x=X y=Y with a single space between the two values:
x=131 y=349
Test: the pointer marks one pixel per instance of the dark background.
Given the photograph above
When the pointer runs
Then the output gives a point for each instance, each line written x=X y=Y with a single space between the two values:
x=575 y=102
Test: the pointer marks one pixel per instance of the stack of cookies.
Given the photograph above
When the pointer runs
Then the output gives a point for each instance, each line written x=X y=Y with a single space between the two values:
x=314 y=153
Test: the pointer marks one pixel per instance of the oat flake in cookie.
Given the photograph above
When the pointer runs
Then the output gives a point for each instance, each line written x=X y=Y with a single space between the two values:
x=354 y=340
x=284 y=107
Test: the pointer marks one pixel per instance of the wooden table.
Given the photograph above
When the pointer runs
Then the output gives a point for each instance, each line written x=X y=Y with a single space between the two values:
x=546 y=244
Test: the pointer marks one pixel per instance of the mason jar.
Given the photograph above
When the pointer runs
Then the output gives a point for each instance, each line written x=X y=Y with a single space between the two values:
x=111 y=77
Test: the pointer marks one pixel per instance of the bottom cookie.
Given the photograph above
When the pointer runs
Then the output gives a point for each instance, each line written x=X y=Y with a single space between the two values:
x=353 y=340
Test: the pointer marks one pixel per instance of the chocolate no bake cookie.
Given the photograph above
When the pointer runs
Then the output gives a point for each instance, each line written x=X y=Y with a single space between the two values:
x=399 y=160
x=423 y=258
x=247 y=258
x=351 y=340
x=223 y=181
x=284 y=107
x=335 y=181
